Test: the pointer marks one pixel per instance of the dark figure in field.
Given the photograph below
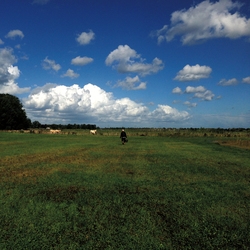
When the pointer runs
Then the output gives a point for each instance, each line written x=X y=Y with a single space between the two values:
x=123 y=137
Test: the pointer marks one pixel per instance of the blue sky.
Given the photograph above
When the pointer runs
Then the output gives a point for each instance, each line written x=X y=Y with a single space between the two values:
x=143 y=63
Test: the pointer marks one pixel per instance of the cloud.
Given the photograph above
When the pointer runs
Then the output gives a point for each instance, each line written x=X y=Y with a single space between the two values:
x=70 y=73
x=167 y=113
x=123 y=57
x=200 y=92
x=218 y=97
x=14 y=33
x=150 y=104
x=177 y=90
x=91 y=104
x=129 y=83
x=190 y=89
x=13 y=88
x=193 y=73
x=205 y=96
x=80 y=61
x=231 y=82
x=176 y=101
x=189 y=104
x=6 y=61
x=9 y=73
x=158 y=33
x=50 y=64
x=1 y=42
x=246 y=80
x=85 y=38
x=204 y=21
x=122 y=54
x=45 y=89
x=25 y=57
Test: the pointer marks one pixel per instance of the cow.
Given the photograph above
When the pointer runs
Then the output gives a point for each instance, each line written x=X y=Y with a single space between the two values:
x=93 y=132
x=55 y=131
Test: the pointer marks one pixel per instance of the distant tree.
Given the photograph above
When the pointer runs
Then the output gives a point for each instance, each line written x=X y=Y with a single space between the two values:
x=36 y=124
x=29 y=123
x=69 y=126
x=12 y=114
x=83 y=126
x=53 y=126
x=90 y=126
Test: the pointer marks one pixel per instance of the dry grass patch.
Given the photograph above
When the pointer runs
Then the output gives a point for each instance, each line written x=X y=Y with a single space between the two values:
x=245 y=144
x=29 y=165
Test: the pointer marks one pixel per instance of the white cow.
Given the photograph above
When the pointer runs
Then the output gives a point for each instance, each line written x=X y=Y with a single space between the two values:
x=93 y=132
x=55 y=131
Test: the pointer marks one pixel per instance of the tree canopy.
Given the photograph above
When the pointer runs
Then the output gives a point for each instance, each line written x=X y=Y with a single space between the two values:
x=12 y=114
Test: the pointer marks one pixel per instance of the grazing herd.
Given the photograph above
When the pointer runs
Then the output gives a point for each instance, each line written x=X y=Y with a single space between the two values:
x=92 y=132
x=55 y=131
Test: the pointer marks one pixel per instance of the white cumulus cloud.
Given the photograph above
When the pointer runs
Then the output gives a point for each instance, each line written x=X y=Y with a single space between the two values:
x=85 y=38
x=231 y=82
x=246 y=80
x=6 y=61
x=177 y=90
x=167 y=113
x=1 y=42
x=14 y=33
x=50 y=64
x=123 y=59
x=204 y=21
x=190 y=89
x=189 y=104
x=81 y=61
x=122 y=54
x=9 y=73
x=130 y=83
x=46 y=88
x=193 y=73
x=205 y=96
x=70 y=73
x=200 y=92
x=58 y=103
x=12 y=88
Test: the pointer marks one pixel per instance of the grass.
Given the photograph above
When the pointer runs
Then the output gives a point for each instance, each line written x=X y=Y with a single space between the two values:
x=91 y=192
x=236 y=143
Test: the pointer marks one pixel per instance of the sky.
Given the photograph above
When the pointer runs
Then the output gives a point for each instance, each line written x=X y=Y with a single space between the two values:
x=130 y=63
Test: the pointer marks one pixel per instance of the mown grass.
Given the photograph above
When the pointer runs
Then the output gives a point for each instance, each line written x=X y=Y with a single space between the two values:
x=91 y=192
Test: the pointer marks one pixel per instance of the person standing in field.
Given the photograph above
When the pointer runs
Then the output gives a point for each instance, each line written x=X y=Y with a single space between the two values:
x=123 y=136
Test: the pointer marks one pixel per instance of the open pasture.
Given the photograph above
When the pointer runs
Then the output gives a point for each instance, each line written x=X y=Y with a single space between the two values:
x=91 y=192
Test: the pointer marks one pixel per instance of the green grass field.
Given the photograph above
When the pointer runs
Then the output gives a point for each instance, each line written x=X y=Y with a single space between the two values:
x=92 y=192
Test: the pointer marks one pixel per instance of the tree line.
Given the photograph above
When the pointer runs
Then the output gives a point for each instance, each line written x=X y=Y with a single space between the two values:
x=37 y=124
x=13 y=117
